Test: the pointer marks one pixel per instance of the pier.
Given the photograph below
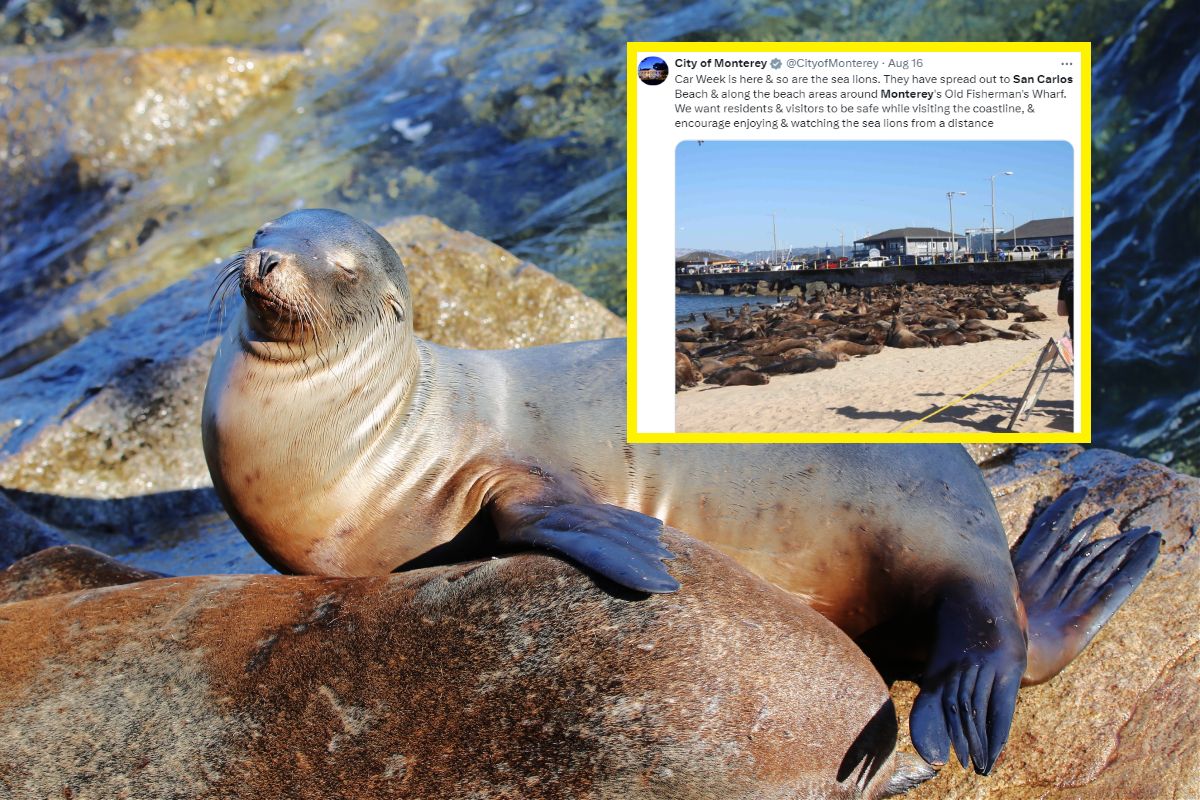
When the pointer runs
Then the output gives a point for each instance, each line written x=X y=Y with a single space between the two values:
x=1042 y=270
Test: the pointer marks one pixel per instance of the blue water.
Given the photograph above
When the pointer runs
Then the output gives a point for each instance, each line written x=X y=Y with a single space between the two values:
x=697 y=304
x=1145 y=259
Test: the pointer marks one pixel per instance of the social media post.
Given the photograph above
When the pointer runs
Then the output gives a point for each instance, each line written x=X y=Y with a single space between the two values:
x=858 y=243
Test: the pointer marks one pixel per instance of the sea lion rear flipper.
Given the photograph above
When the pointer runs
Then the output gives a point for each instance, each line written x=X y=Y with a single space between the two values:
x=1071 y=586
x=620 y=544
x=969 y=689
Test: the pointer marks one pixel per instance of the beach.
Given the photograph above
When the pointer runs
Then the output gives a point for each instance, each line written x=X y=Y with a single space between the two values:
x=890 y=391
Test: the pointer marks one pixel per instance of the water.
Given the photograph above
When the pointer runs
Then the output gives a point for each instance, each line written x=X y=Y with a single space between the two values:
x=1145 y=262
x=506 y=119
x=687 y=304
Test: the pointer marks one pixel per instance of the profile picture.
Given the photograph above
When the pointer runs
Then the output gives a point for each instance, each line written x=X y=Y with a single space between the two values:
x=652 y=70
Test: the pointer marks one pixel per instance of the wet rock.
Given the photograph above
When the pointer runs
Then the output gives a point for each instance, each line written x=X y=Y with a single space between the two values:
x=984 y=453
x=509 y=678
x=1120 y=720
x=43 y=21
x=468 y=292
x=153 y=101
x=102 y=156
x=118 y=414
x=21 y=533
x=69 y=568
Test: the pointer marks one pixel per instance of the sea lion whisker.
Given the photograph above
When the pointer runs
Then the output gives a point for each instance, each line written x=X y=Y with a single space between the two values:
x=221 y=292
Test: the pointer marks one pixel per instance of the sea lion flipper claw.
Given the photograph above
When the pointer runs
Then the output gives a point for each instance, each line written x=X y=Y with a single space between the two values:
x=620 y=544
x=927 y=724
x=1071 y=586
x=969 y=688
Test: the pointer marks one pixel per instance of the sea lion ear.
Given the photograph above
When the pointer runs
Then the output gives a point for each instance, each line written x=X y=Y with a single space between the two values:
x=397 y=307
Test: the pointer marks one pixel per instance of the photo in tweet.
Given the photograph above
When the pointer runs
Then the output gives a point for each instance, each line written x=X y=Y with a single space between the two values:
x=870 y=243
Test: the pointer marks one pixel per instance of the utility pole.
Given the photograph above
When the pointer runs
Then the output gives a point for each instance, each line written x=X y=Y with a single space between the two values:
x=953 y=241
x=993 y=180
x=774 y=240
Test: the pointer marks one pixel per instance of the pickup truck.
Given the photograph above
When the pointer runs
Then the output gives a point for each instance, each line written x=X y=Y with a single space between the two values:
x=1022 y=252
x=872 y=261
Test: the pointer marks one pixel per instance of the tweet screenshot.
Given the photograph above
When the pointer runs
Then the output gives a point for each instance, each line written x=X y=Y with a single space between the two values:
x=859 y=242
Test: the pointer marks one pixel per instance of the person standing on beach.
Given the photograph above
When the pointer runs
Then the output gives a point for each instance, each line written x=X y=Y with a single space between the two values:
x=1066 y=301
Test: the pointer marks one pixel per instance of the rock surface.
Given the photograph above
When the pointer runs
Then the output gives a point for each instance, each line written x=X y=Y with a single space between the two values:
x=154 y=101
x=468 y=292
x=508 y=678
x=106 y=153
x=1121 y=720
x=22 y=533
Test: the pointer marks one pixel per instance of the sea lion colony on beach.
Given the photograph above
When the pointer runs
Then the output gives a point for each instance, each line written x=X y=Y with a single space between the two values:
x=803 y=337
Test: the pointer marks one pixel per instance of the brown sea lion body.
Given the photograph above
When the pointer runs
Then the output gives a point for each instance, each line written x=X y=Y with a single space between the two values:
x=517 y=678
x=900 y=336
x=843 y=346
x=686 y=373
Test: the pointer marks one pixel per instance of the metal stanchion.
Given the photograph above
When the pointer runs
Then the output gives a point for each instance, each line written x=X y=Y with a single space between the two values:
x=1045 y=364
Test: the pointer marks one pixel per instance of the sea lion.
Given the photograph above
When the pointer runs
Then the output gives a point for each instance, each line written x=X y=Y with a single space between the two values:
x=710 y=365
x=1019 y=328
x=950 y=338
x=342 y=445
x=508 y=678
x=775 y=347
x=850 y=348
x=686 y=373
x=899 y=335
x=65 y=568
x=800 y=364
x=738 y=376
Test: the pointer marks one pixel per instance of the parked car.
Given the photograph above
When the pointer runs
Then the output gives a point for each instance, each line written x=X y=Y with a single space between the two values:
x=1023 y=252
x=872 y=261
x=1058 y=252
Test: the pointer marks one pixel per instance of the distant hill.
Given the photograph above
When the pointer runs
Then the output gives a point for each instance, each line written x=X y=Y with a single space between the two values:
x=704 y=257
x=683 y=251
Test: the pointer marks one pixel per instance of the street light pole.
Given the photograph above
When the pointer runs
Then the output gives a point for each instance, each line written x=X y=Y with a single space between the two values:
x=774 y=239
x=993 y=180
x=953 y=241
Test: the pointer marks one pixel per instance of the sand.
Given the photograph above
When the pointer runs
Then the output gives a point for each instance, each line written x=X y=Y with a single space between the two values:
x=887 y=392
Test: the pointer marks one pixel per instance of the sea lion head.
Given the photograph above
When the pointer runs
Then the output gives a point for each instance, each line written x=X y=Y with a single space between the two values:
x=317 y=274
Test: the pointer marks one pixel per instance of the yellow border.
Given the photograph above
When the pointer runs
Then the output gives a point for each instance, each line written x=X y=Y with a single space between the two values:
x=1083 y=247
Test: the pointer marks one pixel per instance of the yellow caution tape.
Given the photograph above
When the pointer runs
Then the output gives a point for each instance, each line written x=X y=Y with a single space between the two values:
x=983 y=385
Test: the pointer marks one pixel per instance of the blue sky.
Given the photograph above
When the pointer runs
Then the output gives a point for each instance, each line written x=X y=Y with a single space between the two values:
x=726 y=190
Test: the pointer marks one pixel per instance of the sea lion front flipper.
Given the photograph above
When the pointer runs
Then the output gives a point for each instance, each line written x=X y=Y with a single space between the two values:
x=1071 y=586
x=969 y=688
x=620 y=544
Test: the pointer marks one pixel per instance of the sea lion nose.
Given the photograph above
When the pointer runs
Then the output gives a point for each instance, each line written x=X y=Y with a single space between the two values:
x=267 y=261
